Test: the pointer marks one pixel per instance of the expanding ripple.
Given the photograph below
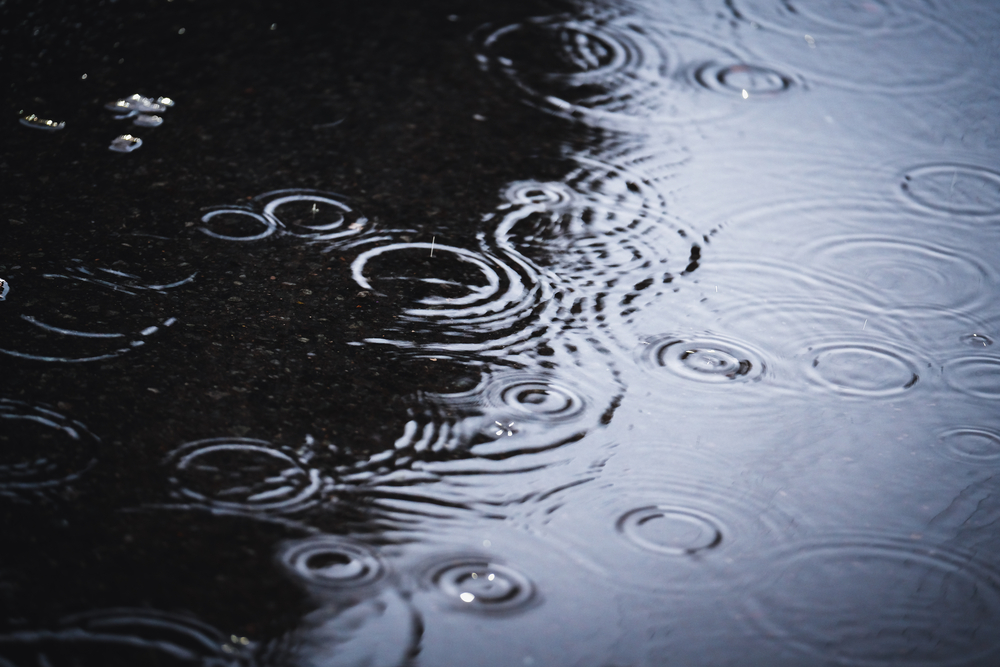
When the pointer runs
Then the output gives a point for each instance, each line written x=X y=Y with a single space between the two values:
x=243 y=475
x=970 y=444
x=977 y=376
x=957 y=189
x=463 y=299
x=879 y=602
x=861 y=367
x=476 y=584
x=40 y=448
x=334 y=562
x=126 y=636
x=830 y=17
x=748 y=80
x=894 y=272
x=675 y=531
x=705 y=358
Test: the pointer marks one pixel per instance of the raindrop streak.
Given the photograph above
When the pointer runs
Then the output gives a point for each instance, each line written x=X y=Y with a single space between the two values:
x=879 y=602
x=242 y=474
x=674 y=531
x=975 y=376
x=970 y=445
x=479 y=585
x=706 y=358
x=954 y=188
x=331 y=561
x=41 y=449
x=126 y=636
x=861 y=369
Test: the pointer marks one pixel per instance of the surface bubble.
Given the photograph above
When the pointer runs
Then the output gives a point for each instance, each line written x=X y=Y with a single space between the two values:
x=40 y=448
x=478 y=584
x=125 y=143
x=953 y=188
x=670 y=530
x=36 y=123
x=861 y=368
x=243 y=474
x=705 y=358
x=331 y=561
x=874 y=601
x=976 y=376
x=970 y=444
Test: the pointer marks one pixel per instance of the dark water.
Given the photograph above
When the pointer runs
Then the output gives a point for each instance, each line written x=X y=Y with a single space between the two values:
x=527 y=333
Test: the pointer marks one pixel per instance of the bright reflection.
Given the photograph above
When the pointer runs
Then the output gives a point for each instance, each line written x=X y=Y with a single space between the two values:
x=467 y=597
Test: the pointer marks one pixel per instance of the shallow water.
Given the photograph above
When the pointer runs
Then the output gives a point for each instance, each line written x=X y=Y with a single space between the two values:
x=630 y=333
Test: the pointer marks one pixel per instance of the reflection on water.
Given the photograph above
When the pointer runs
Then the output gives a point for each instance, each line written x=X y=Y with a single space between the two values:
x=593 y=337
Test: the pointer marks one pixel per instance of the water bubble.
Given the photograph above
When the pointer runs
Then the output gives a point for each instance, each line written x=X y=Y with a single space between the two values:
x=331 y=561
x=126 y=143
x=243 y=474
x=477 y=584
x=127 y=636
x=144 y=120
x=4 y=289
x=743 y=80
x=873 y=601
x=861 y=368
x=40 y=448
x=670 y=530
x=970 y=444
x=705 y=358
x=953 y=188
x=139 y=104
x=976 y=376
x=36 y=123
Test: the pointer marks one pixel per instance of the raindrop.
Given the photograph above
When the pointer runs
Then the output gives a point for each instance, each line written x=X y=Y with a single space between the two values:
x=954 y=188
x=332 y=561
x=863 y=601
x=705 y=358
x=670 y=530
x=475 y=584
x=243 y=474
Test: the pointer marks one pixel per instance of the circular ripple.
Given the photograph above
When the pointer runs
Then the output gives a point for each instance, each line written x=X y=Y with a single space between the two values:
x=953 y=188
x=976 y=340
x=976 y=376
x=242 y=474
x=750 y=80
x=235 y=224
x=333 y=562
x=894 y=273
x=535 y=397
x=40 y=448
x=879 y=602
x=705 y=358
x=861 y=368
x=550 y=196
x=464 y=300
x=477 y=584
x=970 y=444
x=670 y=530
x=828 y=17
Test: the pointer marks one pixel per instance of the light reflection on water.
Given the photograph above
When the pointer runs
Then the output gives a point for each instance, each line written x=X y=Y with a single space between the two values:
x=724 y=384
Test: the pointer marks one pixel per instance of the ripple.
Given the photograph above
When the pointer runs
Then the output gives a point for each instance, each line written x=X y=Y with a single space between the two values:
x=472 y=583
x=311 y=215
x=243 y=474
x=970 y=444
x=550 y=196
x=464 y=300
x=893 y=272
x=41 y=448
x=331 y=561
x=879 y=602
x=706 y=358
x=953 y=188
x=616 y=71
x=861 y=368
x=670 y=530
x=746 y=80
x=127 y=636
x=975 y=376
x=537 y=398
x=828 y=17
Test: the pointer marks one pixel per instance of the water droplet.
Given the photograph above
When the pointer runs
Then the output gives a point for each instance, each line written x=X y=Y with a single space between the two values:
x=670 y=530
x=36 y=123
x=867 y=601
x=126 y=143
x=333 y=561
x=476 y=584
x=953 y=188
x=147 y=120
x=976 y=340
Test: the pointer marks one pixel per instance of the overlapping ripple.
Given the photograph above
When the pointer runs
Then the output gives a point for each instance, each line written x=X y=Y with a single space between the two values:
x=877 y=601
x=41 y=449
